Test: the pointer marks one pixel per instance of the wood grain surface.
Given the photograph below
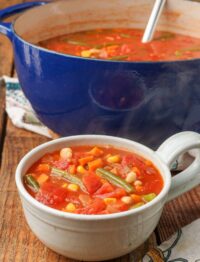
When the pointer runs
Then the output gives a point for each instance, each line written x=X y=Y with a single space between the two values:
x=17 y=242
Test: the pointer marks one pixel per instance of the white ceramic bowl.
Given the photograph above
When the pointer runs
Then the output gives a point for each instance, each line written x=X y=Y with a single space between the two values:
x=101 y=237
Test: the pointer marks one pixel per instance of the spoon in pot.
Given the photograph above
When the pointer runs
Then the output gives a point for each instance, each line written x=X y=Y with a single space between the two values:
x=153 y=20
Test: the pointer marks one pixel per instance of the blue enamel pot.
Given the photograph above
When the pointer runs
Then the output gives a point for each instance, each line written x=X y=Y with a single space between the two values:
x=73 y=95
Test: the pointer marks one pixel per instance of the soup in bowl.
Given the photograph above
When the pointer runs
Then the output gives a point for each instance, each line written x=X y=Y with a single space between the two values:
x=77 y=192
x=93 y=180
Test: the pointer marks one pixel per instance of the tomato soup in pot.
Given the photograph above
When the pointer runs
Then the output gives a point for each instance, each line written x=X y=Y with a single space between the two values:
x=124 y=44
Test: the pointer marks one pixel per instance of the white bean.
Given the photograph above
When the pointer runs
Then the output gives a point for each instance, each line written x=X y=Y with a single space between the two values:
x=131 y=177
x=137 y=183
x=127 y=200
x=66 y=153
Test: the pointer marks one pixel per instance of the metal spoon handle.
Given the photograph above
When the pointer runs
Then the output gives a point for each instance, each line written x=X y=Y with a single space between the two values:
x=153 y=20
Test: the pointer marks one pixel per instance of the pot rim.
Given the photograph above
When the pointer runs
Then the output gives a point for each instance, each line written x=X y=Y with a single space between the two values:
x=89 y=59
x=165 y=173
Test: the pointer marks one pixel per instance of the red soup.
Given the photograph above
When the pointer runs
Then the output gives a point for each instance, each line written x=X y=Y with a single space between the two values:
x=93 y=180
x=125 y=44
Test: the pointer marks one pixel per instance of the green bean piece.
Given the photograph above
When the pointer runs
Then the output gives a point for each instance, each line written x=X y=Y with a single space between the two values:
x=69 y=177
x=149 y=197
x=192 y=49
x=74 y=42
x=178 y=53
x=113 y=179
x=32 y=183
x=137 y=205
x=164 y=36
x=125 y=35
x=105 y=45
x=119 y=58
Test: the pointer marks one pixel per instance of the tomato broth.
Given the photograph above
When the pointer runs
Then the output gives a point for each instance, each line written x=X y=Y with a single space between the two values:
x=93 y=180
x=125 y=44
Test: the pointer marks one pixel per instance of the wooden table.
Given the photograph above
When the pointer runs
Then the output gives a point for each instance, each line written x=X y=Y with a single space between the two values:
x=17 y=243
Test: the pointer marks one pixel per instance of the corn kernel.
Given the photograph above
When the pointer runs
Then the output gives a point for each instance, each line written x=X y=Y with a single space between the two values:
x=127 y=200
x=64 y=185
x=86 y=53
x=73 y=187
x=131 y=177
x=81 y=169
x=66 y=153
x=110 y=200
x=114 y=159
x=70 y=207
x=137 y=183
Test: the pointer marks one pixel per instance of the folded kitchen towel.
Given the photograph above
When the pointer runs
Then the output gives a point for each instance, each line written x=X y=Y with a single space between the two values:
x=19 y=109
x=183 y=246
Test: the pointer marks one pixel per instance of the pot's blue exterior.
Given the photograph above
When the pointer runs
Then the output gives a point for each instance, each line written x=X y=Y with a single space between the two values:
x=62 y=91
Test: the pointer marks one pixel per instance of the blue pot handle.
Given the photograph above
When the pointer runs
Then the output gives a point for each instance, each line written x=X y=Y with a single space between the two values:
x=5 y=28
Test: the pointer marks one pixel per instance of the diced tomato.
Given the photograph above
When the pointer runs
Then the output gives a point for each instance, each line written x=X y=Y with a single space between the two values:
x=62 y=164
x=153 y=186
x=96 y=207
x=72 y=197
x=85 y=199
x=117 y=193
x=133 y=160
x=51 y=195
x=117 y=207
x=127 y=160
x=92 y=183
x=49 y=158
x=105 y=188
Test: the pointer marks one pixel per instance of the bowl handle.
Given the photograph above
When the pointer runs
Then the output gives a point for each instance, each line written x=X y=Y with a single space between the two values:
x=170 y=150
x=5 y=28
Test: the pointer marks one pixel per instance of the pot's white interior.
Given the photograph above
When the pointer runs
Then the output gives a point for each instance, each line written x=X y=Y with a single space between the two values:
x=40 y=23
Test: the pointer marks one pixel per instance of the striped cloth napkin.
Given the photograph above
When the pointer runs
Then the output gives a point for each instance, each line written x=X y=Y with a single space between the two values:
x=19 y=109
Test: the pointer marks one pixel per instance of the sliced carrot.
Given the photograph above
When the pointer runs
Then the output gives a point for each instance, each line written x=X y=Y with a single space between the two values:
x=114 y=170
x=44 y=168
x=93 y=165
x=72 y=169
x=136 y=198
x=85 y=160
x=95 y=151
x=136 y=170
